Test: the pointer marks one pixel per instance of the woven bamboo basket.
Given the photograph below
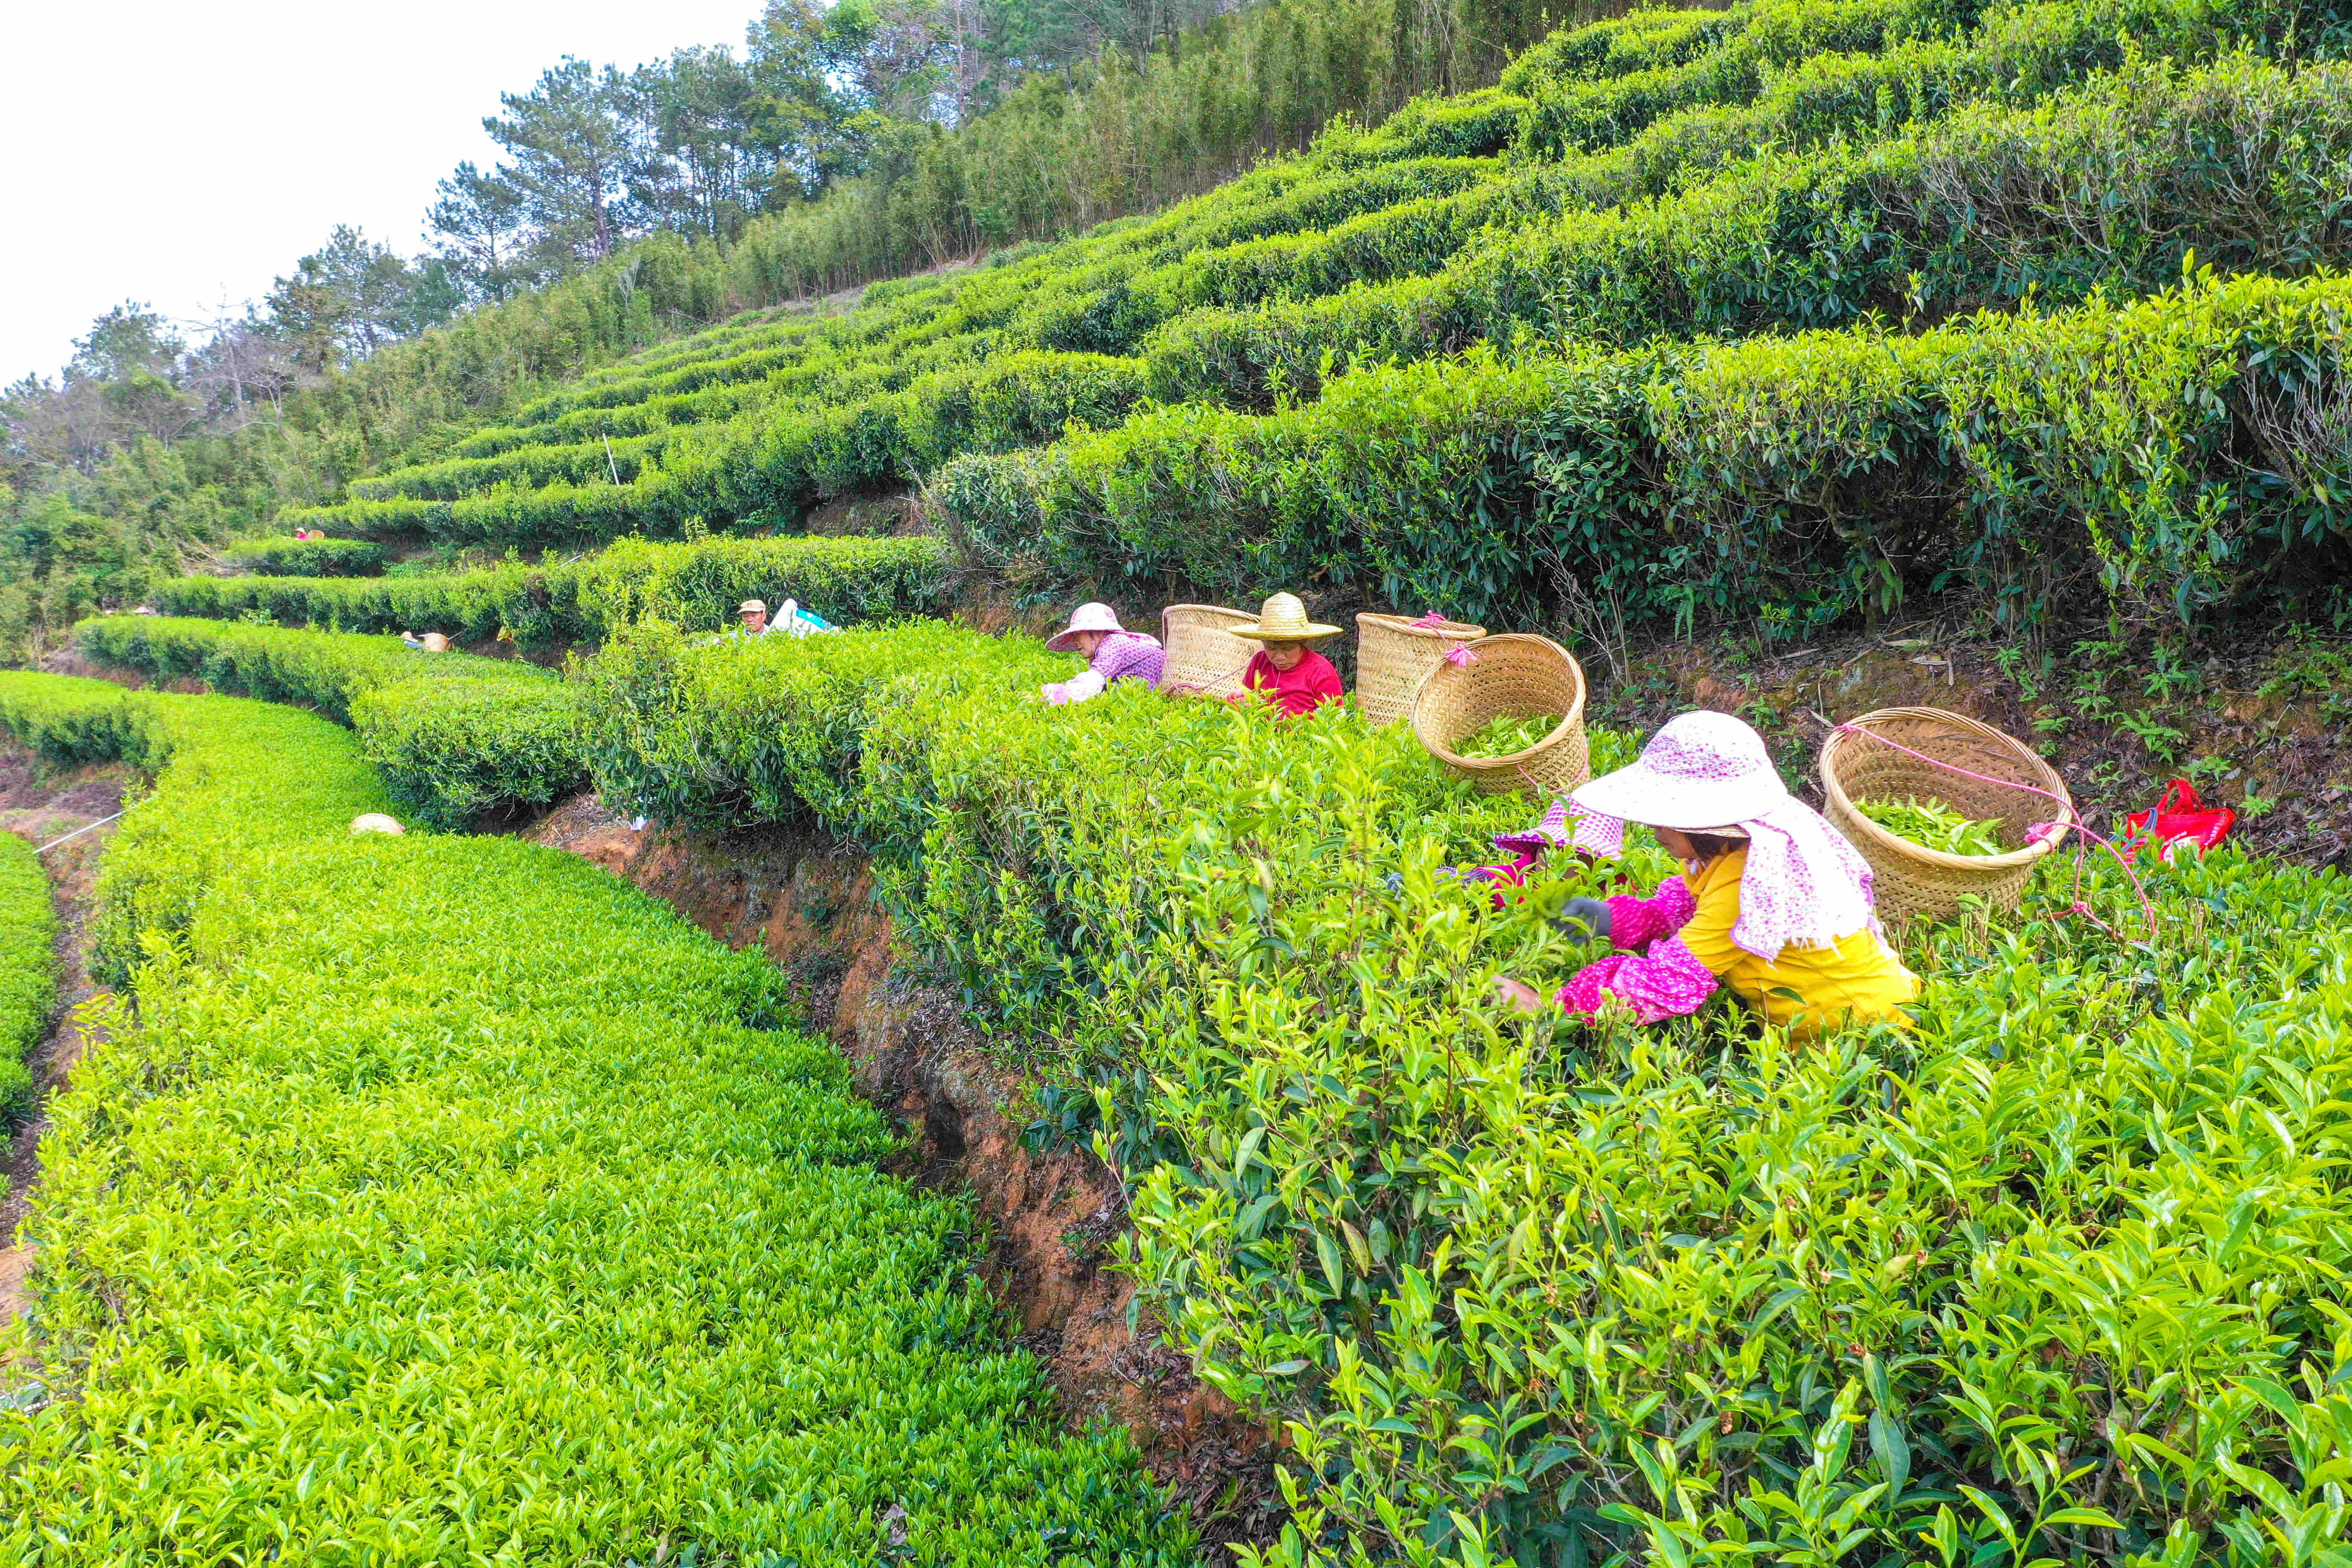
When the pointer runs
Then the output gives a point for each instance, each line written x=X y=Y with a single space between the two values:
x=1913 y=882
x=1513 y=675
x=1201 y=649
x=1393 y=655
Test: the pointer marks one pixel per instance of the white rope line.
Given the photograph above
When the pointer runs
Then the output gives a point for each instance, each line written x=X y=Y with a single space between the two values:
x=77 y=832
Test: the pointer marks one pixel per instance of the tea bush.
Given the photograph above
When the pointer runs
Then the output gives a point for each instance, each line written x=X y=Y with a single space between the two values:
x=1774 y=167
x=449 y=1200
x=2147 y=443
x=2058 y=1275
x=291 y=557
x=696 y=585
x=455 y=736
x=28 y=983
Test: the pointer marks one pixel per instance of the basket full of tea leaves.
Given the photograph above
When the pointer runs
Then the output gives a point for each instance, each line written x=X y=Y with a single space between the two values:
x=1932 y=825
x=1504 y=736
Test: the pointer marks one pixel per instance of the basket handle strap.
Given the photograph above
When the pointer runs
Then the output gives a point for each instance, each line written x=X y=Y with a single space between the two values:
x=2073 y=822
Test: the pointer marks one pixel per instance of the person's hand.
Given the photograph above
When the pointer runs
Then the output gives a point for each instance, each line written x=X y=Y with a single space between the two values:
x=1592 y=914
x=1518 y=995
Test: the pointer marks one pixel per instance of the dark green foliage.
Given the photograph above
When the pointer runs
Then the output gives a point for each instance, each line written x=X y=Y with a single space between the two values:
x=1797 y=480
x=289 y=557
x=2063 y=1267
x=696 y=585
x=487 y=1199
x=28 y=983
x=456 y=737
x=1786 y=164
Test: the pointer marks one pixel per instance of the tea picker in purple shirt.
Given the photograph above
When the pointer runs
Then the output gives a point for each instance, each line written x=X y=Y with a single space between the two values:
x=1113 y=652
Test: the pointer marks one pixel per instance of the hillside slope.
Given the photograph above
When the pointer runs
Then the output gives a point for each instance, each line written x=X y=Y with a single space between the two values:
x=1682 y=177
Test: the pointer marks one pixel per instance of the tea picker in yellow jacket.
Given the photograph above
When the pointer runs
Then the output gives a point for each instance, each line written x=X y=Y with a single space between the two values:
x=1773 y=901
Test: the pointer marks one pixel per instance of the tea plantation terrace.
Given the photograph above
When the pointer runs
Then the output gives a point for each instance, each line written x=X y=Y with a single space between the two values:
x=447 y=1200
x=2066 y=1259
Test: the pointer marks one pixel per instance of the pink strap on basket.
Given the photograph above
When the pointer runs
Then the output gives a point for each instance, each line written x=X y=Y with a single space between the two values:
x=2040 y=831
x=1459 y=655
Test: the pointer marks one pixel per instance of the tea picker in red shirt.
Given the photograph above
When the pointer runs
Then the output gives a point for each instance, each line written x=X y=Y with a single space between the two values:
x=1285 y=670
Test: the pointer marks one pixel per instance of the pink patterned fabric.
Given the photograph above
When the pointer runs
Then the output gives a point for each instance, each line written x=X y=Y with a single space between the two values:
x=1549 y=833
x=1666 y=983
x=1122 y=655
x=1634 y=922
x=1803 y=883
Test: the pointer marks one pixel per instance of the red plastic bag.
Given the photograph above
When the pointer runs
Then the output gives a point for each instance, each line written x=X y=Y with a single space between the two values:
x=2179 y=818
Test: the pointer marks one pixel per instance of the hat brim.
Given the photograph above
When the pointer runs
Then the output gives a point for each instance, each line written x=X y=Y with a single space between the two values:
x=1067 y=641
x=1637 y=794
x=1313 y=631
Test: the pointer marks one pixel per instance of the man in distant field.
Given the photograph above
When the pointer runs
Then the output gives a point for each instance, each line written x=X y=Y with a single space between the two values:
x=754 y=615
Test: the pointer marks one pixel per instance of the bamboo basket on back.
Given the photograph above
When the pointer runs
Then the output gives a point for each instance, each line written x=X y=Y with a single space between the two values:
x=1913 y=881
x=1393 y=654
x=1513 y=675
x=1201 y=649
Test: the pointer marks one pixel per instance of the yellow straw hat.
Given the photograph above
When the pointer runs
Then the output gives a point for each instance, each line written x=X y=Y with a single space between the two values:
x=1284 y=619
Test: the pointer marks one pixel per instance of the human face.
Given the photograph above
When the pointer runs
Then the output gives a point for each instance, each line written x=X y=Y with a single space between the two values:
x=1284 y=656
x=754 y=620
x=1676 y=843
x=1090 y=641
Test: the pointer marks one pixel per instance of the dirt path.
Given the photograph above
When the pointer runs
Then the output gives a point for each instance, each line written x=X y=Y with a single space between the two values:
x=41 y=810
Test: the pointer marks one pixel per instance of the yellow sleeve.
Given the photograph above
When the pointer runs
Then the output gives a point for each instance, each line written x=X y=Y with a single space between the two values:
x=1708 y=934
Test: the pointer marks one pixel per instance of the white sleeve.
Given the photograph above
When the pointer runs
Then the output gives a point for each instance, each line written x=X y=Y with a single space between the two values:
x=1086 y=683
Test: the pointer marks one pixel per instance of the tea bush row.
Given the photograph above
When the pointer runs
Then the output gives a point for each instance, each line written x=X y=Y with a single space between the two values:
x=1347 y=175
x=2020 y=57
x=2058 y=1275
x=291 y=557
x=28 y=983
x=1989 y=204
x=695 y=584
x=1355 y=176
x=2154 y=452
x=2106 y=189
x=959 y=310
x=449 y=1200
x=778 y=459
x=454 y=736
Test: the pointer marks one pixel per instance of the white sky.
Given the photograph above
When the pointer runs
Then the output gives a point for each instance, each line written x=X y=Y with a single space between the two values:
x=177 y=153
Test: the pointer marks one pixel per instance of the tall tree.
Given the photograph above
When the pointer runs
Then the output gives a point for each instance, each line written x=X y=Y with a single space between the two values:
x=703 y=163
x=352 y=296
x=482 y=233
x=570 y=143
x=803 y=102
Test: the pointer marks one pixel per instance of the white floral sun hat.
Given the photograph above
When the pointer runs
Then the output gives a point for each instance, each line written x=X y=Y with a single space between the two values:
x=1703 y=772
x=1089 y=617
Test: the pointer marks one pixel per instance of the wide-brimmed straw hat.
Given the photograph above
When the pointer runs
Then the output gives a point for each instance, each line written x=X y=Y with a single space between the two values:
x=1703 y=772
x=749 y=606
x=1284 y=619
x=1084 y=618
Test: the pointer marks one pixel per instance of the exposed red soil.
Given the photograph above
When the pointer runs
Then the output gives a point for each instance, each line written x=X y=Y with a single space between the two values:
x=807 y=901
x=43 y=808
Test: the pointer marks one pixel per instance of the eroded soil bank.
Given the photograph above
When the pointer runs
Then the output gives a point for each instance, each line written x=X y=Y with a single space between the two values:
x=50 y=808
x=806 y=901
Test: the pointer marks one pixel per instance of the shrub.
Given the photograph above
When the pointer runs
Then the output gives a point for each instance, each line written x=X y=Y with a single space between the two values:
x=696 y=585
x=1797 y=479
x=291 y=557
x=448 y=1198
x=2056 y=1274
x=28 y=983
x=454 y=736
